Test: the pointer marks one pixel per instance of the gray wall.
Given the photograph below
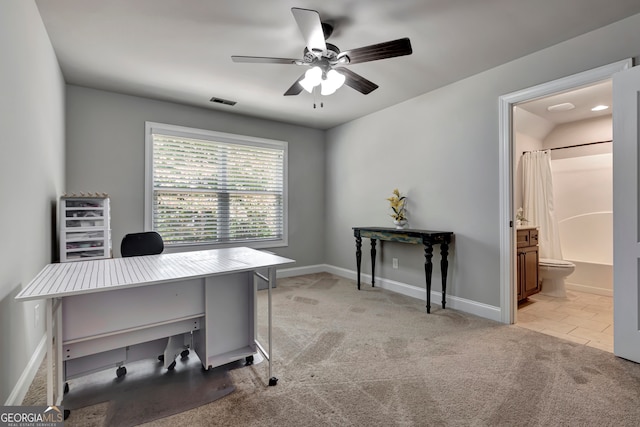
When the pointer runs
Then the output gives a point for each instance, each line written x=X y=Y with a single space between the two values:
x=441 y=148
x=105 y=153
x=31 y=176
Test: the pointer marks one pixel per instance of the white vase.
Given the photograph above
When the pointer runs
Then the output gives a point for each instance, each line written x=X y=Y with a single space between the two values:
x=400 y=224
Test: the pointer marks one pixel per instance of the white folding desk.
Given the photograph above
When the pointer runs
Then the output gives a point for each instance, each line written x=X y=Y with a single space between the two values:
x=102 y=313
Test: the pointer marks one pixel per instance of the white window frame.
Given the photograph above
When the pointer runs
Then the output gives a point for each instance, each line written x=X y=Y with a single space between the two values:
x=202 y=134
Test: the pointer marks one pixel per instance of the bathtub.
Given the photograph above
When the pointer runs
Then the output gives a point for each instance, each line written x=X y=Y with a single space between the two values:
x=587 y=241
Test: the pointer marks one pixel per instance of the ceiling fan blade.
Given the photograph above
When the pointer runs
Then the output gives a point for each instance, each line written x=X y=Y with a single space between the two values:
x=311 y=29
x=356 y=81
x=295 y=88
x=264 y=60
x=374 y=52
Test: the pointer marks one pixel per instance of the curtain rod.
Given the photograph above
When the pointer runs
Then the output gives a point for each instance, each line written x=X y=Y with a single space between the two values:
x=573 y=146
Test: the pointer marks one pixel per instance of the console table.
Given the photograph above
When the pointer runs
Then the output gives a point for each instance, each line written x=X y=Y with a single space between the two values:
x=426 y=237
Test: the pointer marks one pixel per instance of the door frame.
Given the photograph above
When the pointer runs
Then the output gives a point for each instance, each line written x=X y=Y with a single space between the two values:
x=508 y=303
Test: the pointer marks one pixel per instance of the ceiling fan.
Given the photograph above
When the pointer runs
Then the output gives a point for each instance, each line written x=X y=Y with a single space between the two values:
x=327 y=63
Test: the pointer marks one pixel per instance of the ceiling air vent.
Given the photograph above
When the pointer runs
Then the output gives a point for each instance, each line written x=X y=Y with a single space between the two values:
x=222 y=101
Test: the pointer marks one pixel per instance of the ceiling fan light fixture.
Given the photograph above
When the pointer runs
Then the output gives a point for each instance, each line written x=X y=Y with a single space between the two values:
x=337 y=79
x=333 y=82
x=327 y=89
x=312 y=78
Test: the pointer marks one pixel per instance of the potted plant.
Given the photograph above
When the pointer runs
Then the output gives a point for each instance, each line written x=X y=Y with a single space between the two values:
x=520 y=219
x=398 y=206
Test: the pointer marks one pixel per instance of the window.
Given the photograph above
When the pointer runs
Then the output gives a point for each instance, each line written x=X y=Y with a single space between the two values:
x=205 y=187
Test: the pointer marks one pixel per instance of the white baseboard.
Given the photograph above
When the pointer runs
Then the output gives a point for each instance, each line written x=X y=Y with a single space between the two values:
x=299 y=271
x=22 y=386
x=462 y=304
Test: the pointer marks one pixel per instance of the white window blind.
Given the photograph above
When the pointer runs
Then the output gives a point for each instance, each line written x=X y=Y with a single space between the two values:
x=210 y=188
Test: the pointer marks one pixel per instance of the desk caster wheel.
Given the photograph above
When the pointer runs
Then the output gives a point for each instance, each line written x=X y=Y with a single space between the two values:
x=66 y=388
x=172 y=366
x=273 y=381
x=121 y=372
x=249 y=361
x=184 y=353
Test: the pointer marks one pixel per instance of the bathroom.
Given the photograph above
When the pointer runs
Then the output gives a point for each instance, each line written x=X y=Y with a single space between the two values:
x=579 y=305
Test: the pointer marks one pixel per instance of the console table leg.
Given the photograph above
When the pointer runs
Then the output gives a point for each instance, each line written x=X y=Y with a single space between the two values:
x=358 y=257
x=373 y=263
x=428 y=268
x=444 y=266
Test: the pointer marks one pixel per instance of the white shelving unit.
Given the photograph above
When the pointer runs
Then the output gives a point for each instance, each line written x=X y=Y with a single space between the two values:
x=85 y=231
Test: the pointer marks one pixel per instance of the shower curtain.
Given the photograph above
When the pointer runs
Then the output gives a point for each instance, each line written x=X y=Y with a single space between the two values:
x=538 y=207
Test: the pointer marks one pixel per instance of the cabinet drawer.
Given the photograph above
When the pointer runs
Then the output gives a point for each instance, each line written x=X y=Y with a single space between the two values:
x=527 y=238
x=522 y=238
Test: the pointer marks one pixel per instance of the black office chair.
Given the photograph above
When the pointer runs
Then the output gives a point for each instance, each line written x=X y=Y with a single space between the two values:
x=138 y=244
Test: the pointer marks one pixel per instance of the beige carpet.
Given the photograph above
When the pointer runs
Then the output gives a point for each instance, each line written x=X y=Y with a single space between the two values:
x=374 y=358
x=148 y=391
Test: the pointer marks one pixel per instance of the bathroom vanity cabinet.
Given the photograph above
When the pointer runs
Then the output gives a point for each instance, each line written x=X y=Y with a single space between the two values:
x=527 y=262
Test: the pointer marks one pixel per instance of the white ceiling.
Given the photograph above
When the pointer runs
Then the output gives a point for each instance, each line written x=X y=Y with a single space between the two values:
x=583 y=99
x=180 y=50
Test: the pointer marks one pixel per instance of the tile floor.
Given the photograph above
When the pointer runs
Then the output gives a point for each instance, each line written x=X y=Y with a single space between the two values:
x=581 y=317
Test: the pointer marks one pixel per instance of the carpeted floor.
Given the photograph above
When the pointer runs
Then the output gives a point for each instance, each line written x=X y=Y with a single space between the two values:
x=375 y=358
x=148 y=391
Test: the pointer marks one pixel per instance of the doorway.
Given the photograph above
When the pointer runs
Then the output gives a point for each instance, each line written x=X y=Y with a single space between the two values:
x=575 y=130
x=508 y=155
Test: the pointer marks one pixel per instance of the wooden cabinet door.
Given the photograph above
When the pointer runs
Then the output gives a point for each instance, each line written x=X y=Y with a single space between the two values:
x=530 y=261
x=527 y=243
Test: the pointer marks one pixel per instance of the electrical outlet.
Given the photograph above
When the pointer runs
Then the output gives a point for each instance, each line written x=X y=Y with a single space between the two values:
x=36 y=316
x=395 y=263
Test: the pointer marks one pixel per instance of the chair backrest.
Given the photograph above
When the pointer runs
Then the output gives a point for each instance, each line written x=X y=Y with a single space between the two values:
x=137 y=244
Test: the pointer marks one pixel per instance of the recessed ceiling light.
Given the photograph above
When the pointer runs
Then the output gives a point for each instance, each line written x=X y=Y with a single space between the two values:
x=565 y=106
x=599 y=107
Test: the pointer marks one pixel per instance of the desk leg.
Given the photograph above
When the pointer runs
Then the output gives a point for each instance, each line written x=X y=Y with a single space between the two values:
x=373 y=263
x=55 y=379
x=444 y=266
x=51 y=351
x=358 y=257
x=428 y=268
x=272 y=279
x=60 y=373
